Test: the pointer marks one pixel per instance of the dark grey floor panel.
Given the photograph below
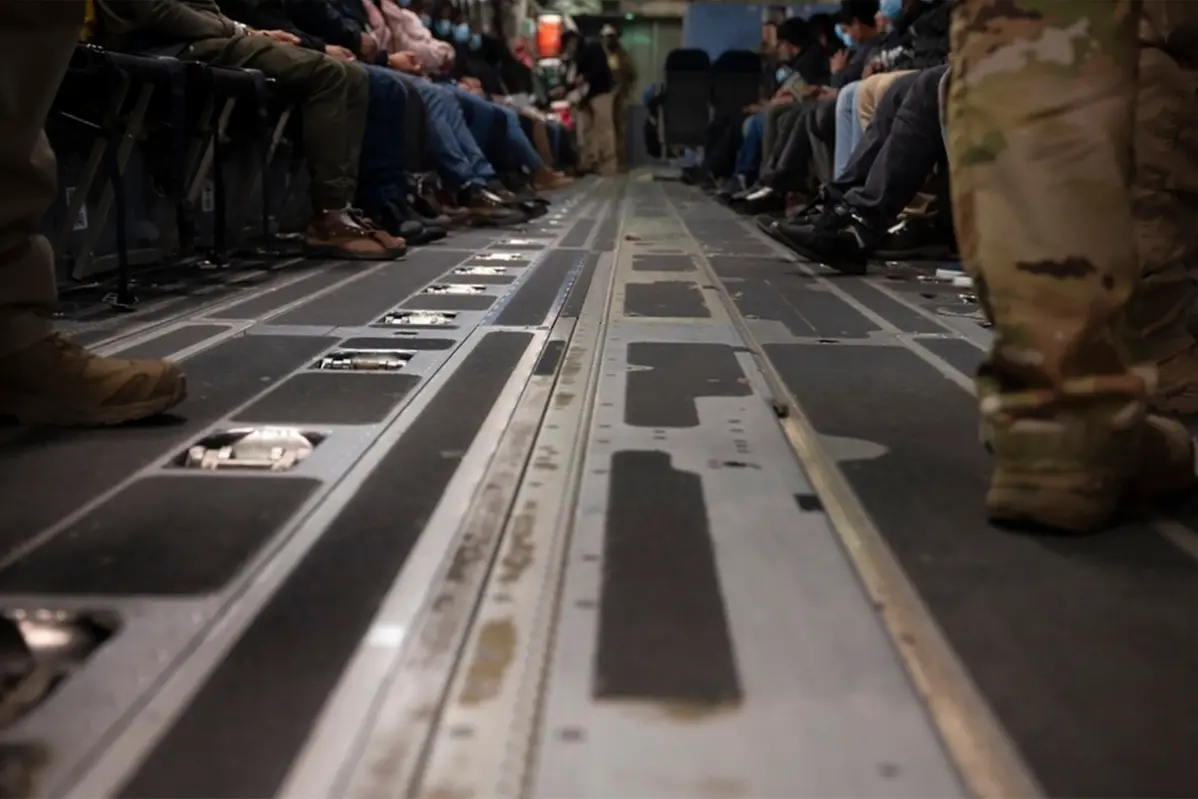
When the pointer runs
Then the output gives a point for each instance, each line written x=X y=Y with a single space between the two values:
x=579 y=233
x=534 y=299
x=896 y=313
x=963 y=356
x=1086 y=648
x=802 y=305
x=258 y=307
x=662 y=391
x=169 y=343
x=398 y=343
x=680 y=299
x=663 y=263
x=65 y=469
x=331 y=398
x=450 y=302
x=572 y=307
x=254 y=713
x=551 y=358
x=663 y=628
x=605 y=237
x=168 y=535
x=365 y=299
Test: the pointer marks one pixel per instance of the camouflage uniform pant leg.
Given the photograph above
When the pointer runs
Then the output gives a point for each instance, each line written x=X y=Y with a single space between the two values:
x=1042 y=107
x=1165 y=189
x=36 y=43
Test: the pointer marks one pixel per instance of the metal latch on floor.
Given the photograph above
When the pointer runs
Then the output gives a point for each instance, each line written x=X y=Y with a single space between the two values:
x=523 y=242
x=419 y=319
x=501 y=256
x=38 y=650
x=273 y=449
x=480 y=270
x=454 y=288
x=365 y=360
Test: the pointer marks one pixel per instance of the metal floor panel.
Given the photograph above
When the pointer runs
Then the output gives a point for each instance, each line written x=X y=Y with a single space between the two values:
x=1061 y=665
x=119 y=518
x=656 y=511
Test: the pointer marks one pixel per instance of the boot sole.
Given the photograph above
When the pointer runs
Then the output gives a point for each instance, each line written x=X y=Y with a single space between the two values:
x=34 y=411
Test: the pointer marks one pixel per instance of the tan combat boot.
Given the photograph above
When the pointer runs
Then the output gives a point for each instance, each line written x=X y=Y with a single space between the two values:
x=348 y=236
x=1050 y=477
x=57 y=382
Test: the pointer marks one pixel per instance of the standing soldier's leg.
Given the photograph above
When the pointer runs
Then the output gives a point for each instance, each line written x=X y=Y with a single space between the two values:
x=1165 y=199
x=1042 y=106
x=43 y=378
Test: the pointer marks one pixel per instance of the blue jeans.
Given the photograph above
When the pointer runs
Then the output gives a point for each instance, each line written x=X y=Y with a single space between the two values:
x=381 y=167
x=848 y=128
x=497 y=130
x=748 y=157
x=459 y=160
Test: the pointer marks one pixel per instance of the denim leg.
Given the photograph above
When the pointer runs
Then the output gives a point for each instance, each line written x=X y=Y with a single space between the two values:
x=848 y=127
x=458 y=158
x=479 y=115
x=381 y=170
x=748 y=157
x=518 y=145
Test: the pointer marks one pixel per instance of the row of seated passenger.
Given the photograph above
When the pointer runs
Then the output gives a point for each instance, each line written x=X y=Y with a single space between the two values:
x=857 y=168
x=399 y=142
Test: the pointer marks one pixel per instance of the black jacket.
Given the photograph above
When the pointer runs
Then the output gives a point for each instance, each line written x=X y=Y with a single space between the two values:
x=855 y=67
x=340 y=22
x=269 y=15
x=919 y=39
x=591 y=61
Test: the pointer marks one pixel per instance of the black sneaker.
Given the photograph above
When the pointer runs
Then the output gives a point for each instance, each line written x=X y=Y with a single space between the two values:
x=837 y=238
x=912 y=240
x=762 y=200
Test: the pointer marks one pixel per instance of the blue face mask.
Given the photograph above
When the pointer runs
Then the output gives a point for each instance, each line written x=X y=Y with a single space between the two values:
x=442 y=27
x=461 y=33
x=781 y=75
x=426 y=20
x=476 y=42
x=891 y=9
x=843 y=35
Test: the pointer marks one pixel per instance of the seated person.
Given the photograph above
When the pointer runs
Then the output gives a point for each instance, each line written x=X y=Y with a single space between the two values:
x=815 y=121
x=332 y=95
x=886 y=173
x=460 y=162
x=382 y=183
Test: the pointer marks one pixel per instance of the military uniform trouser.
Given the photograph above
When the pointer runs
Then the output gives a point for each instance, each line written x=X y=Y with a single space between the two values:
x=1042 y=123
x=36 y=42
x=333 y=98
x=598 y=134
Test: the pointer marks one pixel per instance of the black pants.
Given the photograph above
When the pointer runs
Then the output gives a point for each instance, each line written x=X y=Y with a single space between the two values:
x=723 y=140
x=898 y=152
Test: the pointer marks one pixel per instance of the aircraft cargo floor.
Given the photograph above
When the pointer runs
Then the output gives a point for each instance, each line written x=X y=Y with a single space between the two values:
x=640 y=506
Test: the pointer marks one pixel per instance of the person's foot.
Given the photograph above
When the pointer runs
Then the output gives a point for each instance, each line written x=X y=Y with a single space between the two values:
x=762 y=200
x=57 y=382
x=546 y=179
x=1177 y=384
x=487 y=209
x=347 y=235
x=916 y=240
x=836 y=238
x=1054 y=479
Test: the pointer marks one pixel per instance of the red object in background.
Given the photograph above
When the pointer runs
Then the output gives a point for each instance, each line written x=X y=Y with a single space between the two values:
x=549 y=35
x=560 y=109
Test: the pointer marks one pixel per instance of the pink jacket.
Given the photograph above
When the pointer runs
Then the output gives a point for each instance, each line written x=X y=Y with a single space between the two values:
x=396 y=29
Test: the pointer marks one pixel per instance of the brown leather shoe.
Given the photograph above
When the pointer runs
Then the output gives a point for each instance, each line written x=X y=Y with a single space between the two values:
x=339 y=235
x=547 y=179
x=57 y=382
